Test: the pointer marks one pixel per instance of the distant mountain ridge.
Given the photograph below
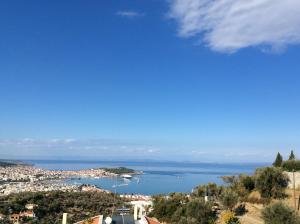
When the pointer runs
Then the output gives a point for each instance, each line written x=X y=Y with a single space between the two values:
x=9 y=163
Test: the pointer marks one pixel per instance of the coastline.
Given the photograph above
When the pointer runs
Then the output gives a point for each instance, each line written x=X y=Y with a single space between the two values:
x=23 y=177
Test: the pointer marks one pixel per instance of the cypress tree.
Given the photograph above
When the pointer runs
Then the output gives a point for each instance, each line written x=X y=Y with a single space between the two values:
x=278 y=161
x=292 y=156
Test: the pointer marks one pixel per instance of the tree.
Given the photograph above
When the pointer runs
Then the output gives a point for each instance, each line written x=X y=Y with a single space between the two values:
x=232 y=181
x=247 y=182
x=291 y=165
x=279 y=213
x=278 y=161
x=292 y=156
x=229 y=199
x=271 y=182
x=164 y=208
x=199 y=212
x=50 y=205
x=211 y=189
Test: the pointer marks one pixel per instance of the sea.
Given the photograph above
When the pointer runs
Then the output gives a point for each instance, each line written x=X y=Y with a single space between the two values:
x=159 y=177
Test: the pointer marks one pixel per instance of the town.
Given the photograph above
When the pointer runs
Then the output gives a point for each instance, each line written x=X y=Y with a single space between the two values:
x=27 y=178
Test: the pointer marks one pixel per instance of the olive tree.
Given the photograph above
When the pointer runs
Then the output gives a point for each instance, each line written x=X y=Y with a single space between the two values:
x=271 y=182
x=279 y=213
x=229 y=199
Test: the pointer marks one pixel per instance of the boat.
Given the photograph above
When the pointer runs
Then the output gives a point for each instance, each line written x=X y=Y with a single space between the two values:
x=126 y=176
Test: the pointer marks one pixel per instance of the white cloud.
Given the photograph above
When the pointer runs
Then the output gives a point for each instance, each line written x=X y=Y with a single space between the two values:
x=229 y=25
x=69 y=140
x=129 y=14
x=76 y=148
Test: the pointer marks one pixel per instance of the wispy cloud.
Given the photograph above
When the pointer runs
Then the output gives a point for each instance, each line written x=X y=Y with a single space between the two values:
x=229 y=25
x=70 y=148
x=129 y=14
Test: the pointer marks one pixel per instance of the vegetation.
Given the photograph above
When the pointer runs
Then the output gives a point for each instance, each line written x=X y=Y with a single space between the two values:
x=248 y=182
x=211 y=189
x=229 y=217
x=271 y=182
x=178 y=208
x=229 y=199
x=291 y=165
x=292 y=156
x=266 y=184
x=278 y=161
x=51 y=205
x=119 y=170
x=279 y=213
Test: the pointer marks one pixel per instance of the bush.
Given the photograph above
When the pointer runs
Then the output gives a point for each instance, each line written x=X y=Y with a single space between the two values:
x=228 y=217
x=241 y=209
x=169 y=209
x=271 y=182
x=291 y=165
x=229 y=199
x=211 y=189
x=279 y=213
x=196 y=211
x=199 y=210
x=247 y=182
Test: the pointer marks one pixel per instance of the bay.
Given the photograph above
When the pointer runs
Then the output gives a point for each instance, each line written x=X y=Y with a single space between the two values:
x=159 y=177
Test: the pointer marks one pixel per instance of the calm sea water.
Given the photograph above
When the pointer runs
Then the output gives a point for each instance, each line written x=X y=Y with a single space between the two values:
x=158 y=177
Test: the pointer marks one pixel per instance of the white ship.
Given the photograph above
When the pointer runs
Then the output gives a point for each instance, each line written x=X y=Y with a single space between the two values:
x=126 y=176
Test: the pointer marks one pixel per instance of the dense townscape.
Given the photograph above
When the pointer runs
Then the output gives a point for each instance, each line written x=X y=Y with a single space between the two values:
x=22 y=178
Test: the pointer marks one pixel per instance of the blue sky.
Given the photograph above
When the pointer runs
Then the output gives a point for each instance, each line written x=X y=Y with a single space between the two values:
x=166 y=80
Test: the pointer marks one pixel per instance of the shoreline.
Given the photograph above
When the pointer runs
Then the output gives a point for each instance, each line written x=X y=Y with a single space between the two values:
x=23 y=177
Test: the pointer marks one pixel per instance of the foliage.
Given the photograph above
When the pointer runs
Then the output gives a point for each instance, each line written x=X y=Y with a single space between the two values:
x=178 y=208
x=291 y=165
x=51 y=205
x=247 y=182
x=165 y=207
x=292 y=156
x=229 y=199
x=211 y=189
x=228 y=217
x=279 y=213
x=271 y=182
x=240 y=209
x=242 y=184
x=200 y=211
x=278 y=161
x=119 y=170
x=231 y=181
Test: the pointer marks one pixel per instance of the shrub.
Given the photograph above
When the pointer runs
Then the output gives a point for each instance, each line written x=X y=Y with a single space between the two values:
x=210 y=189
x=199 y=211
x=241 y=209
x=279 y=213
x=271 y=182
x=51 y=204
x=228 y=217
x=291 y=165
x=231 y=181
x=164 y=208
x=229 y=199
x=247 y=182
